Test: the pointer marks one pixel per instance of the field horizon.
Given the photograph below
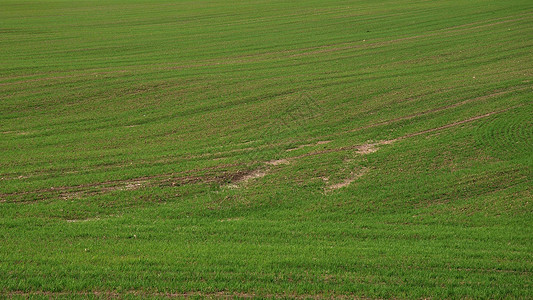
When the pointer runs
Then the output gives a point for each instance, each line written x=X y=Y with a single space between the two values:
x=266 y=149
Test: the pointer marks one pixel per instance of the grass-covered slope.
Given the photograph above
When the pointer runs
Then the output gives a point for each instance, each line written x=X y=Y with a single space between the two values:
x=266 y=148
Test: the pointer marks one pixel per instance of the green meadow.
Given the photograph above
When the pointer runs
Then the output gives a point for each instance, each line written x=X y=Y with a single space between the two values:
x=269 y=149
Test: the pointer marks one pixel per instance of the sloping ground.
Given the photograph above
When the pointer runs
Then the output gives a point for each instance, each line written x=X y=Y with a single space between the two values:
x=305 y=149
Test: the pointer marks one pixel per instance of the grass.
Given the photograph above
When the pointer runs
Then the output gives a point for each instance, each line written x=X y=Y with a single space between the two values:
x=359 y=149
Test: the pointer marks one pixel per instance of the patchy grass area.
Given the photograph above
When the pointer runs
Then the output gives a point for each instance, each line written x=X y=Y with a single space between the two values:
x=378 y=149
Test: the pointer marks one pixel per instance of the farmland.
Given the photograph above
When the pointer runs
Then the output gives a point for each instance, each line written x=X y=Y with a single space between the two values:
x=298 y=149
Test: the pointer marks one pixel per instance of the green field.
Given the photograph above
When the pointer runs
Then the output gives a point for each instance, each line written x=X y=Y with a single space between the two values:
x=280 y=149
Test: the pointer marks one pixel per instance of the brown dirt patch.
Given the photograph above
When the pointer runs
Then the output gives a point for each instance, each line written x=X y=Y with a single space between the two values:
x=246 y=177
x=276 y=162
x=346 y=182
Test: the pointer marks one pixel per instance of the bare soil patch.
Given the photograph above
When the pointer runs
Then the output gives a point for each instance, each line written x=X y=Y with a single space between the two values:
x=276 y=162
x=346 y=182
